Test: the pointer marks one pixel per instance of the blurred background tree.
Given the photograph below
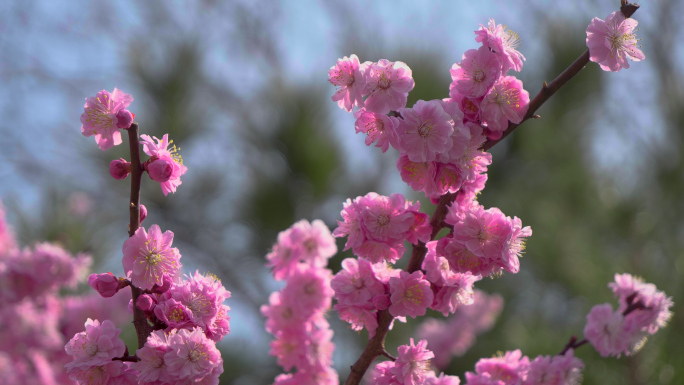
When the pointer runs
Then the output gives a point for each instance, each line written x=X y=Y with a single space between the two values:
x=241 y=87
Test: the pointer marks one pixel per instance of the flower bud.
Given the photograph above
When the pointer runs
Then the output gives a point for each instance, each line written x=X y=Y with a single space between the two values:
x=124 y=118
x=106 y=284
x=143 y=213
x=119 y=169
x=145 y=302
x=167 y=281
x=161 y=170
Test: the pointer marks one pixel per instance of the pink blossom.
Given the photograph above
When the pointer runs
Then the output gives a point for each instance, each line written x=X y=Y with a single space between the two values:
x=358 y=318
x=151 y=366
x=418 y=175
x=378 y=225
x=145 y=303
x=101 y=118
x=502 y=41
x=308 y=291
x=476 y=74
x=385 y=218
x=171 y=165
x=410 y=294
x=308 y=243
x=656 y=305
x=143 y=213
x=24 y=271
x=348 y=75
x=388 y=84
x=608 y=333
x=383 y=374
x=506 y=101
x=174 y=314
x=356 y=284
x=119 y=168
x=191 y=355
x=280 y=314
x=351 y=225
x=161 y=170
x=110 y=373
x=425 y=131
x=443 y=379
x=148 y=257
x=510 y=369
x=483 y=232
x=290 y=347
x=457 y=291
x=612 y=42
x=106 y=284
x=380 y=128
x=412 y=366
x=557 y=370
x=96 y=346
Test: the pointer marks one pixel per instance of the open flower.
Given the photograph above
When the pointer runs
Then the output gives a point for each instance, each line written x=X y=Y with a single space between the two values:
x=147 y=257
x=612 y=42
x=166 y=165
x=104 y=115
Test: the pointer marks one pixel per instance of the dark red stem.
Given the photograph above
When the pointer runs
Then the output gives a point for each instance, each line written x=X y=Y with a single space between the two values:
x=142 y=327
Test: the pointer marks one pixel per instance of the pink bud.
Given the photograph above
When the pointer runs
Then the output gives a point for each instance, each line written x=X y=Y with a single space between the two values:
x=160 y=170
x=145 y=303
x=143 y=213
x=124 y=118
x=119 y=169
x=381 y=301
x=106 y=284
x=167 y=281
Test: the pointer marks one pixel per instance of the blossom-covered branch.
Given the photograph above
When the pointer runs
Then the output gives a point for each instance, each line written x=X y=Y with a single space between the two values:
x=549 y=89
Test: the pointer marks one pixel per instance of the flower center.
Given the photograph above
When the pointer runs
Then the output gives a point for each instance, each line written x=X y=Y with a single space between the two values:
x=383 y=220
x=478 y=75
x=383 y=81
x=153 y=258
x=425 y=129
x=194 y=356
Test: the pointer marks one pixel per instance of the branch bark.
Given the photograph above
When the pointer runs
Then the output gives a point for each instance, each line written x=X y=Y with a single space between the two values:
x=142 y=327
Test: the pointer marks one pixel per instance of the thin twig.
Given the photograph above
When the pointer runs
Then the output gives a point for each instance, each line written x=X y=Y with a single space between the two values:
x=142 y=327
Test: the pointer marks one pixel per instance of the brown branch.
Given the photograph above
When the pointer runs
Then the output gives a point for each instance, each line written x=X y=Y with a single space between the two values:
x=573 y=344
x=127 y=359
x=549 y=89
x=376 y=346
x=142 y=327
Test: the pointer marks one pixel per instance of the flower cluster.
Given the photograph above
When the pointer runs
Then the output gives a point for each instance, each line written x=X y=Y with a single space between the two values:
x=454 y=336
x=179 y=356
x=376 y=226
x=35 y=321
x=295 y=314
x=104 y=116
x=513 y=368
x=438 y=140
x=642 y=311
x=412 y=367
x=482 y=242
x=193 y=318
x=612 y=42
